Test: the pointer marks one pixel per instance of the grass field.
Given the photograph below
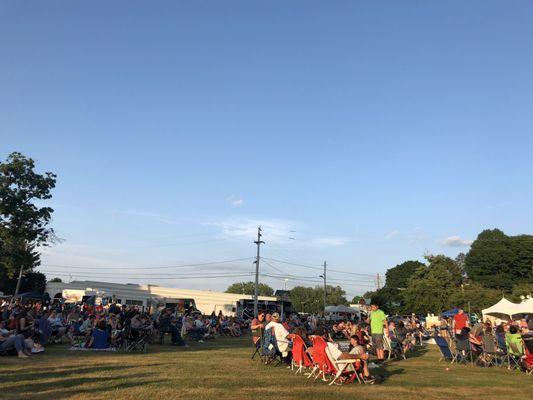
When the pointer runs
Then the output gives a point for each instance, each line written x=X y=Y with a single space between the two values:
x=222 y=369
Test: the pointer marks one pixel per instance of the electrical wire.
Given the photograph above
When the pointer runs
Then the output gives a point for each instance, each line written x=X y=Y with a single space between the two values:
x=148 y=267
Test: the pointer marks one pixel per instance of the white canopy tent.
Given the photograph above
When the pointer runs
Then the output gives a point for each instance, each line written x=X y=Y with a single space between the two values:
x=341 y=309
x=509 y=309
x=526 y=307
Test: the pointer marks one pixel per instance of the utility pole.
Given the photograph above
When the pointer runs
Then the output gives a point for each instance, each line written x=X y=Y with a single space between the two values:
x=25 y=248
x=323 y=276
x=258 y=242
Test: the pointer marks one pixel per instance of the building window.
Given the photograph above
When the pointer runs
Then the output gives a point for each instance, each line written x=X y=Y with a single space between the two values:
x=134 y=302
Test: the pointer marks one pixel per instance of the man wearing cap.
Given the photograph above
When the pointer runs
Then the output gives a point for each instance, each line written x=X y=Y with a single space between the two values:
x=281 y=334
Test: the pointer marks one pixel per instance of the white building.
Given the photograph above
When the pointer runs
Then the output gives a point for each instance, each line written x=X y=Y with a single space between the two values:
x=150 y=295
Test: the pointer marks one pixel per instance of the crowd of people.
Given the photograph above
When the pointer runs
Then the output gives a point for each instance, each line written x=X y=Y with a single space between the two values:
x=487 y=343
x=362 y=339
x=27 y=327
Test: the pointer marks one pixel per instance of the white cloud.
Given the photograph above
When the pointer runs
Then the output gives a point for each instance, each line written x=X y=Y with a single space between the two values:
x=330 y=241
x=146 y=214
x=235 y=201
x=275 y=231
x=392 y=234
x=456 y=241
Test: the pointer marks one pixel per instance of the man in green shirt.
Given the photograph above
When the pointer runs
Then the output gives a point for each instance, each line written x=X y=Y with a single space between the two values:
x=378 y=320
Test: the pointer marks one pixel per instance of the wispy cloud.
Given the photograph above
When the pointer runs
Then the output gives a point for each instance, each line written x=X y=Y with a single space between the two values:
x=491 y=207
x=235 y=201
x=276 y=231
x=456 y=241
x=330 y=241
x=146 y=214
x=392 y=234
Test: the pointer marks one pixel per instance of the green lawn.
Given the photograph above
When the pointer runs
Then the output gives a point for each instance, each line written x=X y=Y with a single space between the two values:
x=222 y=369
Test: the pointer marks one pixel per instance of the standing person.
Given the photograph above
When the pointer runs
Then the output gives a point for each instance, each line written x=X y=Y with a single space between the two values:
x=378 y=320
x=257 y=327
x=460 y=321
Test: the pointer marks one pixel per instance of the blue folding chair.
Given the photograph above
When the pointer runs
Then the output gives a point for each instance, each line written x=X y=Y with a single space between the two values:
x=444 y=347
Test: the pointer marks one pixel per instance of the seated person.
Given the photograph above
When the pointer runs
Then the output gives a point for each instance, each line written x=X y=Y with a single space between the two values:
x=99 y=337
x=280 y=333
x=87 y=325
x=357 y=352
x=9 y=342
x=514 y=343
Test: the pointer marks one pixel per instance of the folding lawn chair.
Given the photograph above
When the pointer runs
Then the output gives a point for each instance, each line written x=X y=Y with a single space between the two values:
x=300 y=358
x=528 y=359
x=344 y=368
x=514 y=355
x=321 y=364
x=395 y=348
x=491 y=356
x=387 y=345
x=257 y=348
x=270 y=354
x=463 y=352
x=444 y=347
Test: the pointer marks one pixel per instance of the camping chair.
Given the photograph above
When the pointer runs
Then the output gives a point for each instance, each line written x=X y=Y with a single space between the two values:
x=270 y=354
x=490 y=356
x=514 y=355
x=344 y=368
x=528 y=359
x=463 y=353
x=321 y=363
x=387 y=345
x=300 y=357
x=257 y=347
x=395 y=347
x=444 y=347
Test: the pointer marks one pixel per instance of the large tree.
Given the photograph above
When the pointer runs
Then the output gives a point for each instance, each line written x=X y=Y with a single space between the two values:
x=24 y=225
x=398 y=276
x=311 y=299
x=498 y=261
x=249 y=288
x=430 y=289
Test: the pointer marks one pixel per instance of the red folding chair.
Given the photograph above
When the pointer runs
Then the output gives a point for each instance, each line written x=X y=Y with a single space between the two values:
x=528 y=361
x=300 y=358
x=345 y=371
x=321 y=363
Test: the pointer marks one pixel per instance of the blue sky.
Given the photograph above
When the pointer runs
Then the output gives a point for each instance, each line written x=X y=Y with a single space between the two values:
x=363 y=133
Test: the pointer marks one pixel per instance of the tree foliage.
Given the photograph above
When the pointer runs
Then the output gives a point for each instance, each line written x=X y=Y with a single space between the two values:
x=249 y=288
x=498 y=261
x=24 y=226
x=473 y=296
x=399 y=276
x=311 y=299
x=430 y=288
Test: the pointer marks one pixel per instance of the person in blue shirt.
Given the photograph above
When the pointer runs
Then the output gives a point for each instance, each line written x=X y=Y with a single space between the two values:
x=99 y=337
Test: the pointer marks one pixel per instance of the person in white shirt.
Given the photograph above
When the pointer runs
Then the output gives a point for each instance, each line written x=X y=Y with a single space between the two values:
x=280 y=333
x=337 y=354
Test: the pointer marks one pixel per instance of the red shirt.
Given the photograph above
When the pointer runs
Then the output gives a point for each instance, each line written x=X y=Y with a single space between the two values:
x=460 y=321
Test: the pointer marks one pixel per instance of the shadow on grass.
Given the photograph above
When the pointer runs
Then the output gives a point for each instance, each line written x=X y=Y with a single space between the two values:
x=72 y=386
x=38 y=373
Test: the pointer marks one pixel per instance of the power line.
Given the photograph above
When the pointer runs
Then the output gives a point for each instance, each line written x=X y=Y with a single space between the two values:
x=318 y=268
x=149 y=267
x=166 y=278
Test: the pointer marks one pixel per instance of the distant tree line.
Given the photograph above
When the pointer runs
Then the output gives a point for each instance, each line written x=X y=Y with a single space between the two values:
x=496 y=265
